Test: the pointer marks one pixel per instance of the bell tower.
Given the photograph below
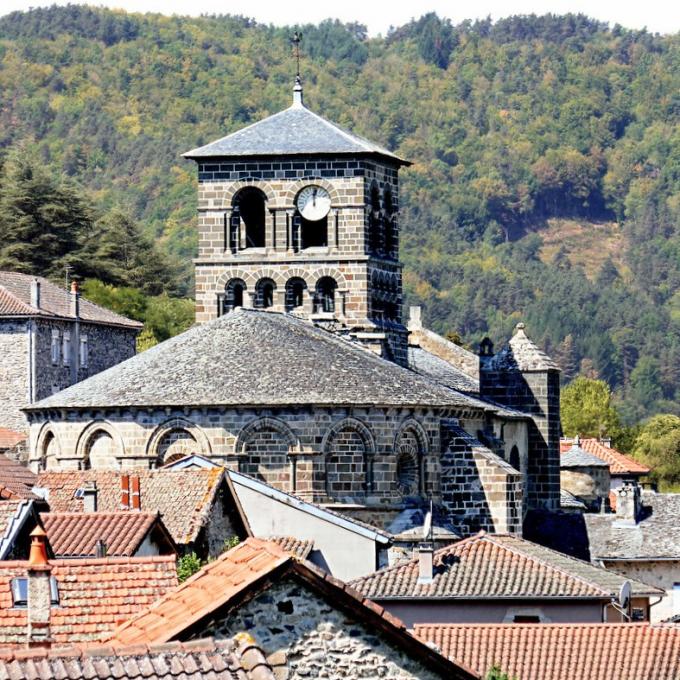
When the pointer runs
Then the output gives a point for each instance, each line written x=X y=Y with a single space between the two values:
x=298 y=215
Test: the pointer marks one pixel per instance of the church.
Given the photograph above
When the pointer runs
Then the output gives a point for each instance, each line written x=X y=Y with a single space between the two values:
x=302 y=369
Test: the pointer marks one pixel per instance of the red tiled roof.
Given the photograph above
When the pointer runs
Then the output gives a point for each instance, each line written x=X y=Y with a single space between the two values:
x=15 y=300
x=497 y=565
x=183 y=497
x=296 y=546
x=75 y=534
x=17 y=478
x=94 y=595
x=237 y=659
x=619 y=463
x=10 y=438
x=579 y=651
x=248 y=567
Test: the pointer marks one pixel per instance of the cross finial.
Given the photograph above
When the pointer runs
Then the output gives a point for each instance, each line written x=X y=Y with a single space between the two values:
x=296 y=40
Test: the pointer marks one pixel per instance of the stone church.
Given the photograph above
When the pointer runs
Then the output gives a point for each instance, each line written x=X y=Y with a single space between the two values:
x=302 y=370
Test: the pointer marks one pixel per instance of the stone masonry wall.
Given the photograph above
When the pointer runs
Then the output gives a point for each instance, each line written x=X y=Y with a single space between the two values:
x=317 y=640
x=14 y=369
x=479 y=488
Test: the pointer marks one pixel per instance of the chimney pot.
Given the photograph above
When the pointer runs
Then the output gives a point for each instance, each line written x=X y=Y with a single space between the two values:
x=35 y=293
x=135 y=500
x=38 y=555
x=425 y=563
x=415 y=321
x=100 y=548
x=75 y=299
x=628 y=505
x=90 y=497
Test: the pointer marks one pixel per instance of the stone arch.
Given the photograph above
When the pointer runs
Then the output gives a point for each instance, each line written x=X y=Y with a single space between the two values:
x=265 y=291
x=410 y=448
x=288 y=198
x=157 y=441
x=249 y=278
x=235 y=187
x=313 y=277
x=296 y=292
x=107 y=453
x=264 y=446
x=348 y=447
x=47 y=448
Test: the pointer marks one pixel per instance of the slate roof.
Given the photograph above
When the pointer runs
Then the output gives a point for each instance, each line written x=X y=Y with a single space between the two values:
x=619 y=463
x=196 y=660
x=432 y=366
x=75 y=534
x=16 y=478
x=247 y=569
x=523 y=354
x=94 y=595
x=655 y=536
x=562 y=651
x=568 y=500
x=293 y=131
x=184 y=498
x=576 y=456
x=487 y=566
x=15 y=300
x=250 y=357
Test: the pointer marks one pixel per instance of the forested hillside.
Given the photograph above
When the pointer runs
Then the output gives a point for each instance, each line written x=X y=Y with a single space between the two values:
x=546 y=150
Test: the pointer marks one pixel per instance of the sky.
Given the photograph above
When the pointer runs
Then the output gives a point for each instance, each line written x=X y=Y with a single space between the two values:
x=662 y=16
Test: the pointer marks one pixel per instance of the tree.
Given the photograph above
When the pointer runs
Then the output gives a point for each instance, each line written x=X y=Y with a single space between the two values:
x=495 y=673
x=587 y=410
x=658 y=446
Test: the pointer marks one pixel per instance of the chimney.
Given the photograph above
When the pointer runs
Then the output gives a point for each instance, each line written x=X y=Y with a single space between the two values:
x=90 y=497
x=100 y=548
x=125 y=492
x=135 y=500
x=35 y=293
x=415 y=320
x=628 y=505
x=425 y=563
x=75 y=300
x=39 y=590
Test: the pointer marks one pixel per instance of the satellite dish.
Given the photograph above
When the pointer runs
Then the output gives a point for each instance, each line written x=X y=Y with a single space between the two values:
x=624 y=595
x=427 y=526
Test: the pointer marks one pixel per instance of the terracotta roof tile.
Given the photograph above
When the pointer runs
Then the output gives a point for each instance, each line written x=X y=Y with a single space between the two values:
x=94 y=595
x=15 y=300
x=10 y=438
x=75 y=534
x=601 y=651
x=183 y=497
x=497 y=565
x=237 y=659
x=619 y=463
x=16 y=477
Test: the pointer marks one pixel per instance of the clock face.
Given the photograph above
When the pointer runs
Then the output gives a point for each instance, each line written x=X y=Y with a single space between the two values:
x=314 y=203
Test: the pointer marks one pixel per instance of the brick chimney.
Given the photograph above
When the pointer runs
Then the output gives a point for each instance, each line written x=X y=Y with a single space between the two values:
x=39 y=590
x=35 y=293
x=125 y=492
x=628 y=505
x=425 y=563
x=75 y=300
x=90 y=497
x=130 y=498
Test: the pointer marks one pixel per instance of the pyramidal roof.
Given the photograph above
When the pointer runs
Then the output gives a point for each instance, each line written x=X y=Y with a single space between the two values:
x=293 y=131
x=522 y=353
x=253 y=358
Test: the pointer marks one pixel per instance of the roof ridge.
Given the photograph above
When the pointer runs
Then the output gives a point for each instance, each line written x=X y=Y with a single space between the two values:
x=552 y=566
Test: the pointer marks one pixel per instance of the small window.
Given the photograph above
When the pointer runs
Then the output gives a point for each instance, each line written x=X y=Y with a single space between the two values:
x=66 y=348
x=20 y=591
x=325 y=295
x=84 y=352
x=526 y=618
x=55 y=347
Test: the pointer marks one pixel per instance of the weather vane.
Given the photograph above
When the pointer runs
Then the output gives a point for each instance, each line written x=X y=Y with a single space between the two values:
x=296 y=40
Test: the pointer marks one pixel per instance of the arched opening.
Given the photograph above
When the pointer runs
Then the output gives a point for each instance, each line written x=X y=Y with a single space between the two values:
x=295 y=293
x=174 y=445
x=101 y=452
x=325 y=295
x=514 y=457
x=346 y=468
x=48 y=458
x=233 y=295
x=249 y=209
x=265 y=293
x=266 y=457
x=408 y=473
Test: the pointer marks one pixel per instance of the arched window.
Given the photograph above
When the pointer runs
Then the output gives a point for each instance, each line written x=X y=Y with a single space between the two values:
x=325 y=295
x=233 y=294
x=265 y=293
x=249 y=208
x=514 y=458
x=101 y=452
x=295 y=293
x=48 y=459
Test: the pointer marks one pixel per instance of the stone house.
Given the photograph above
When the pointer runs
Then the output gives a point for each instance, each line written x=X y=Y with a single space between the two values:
x=585 y=476
x=51 y=338
x=309 y=623
x=497 y=578
x=301 y=371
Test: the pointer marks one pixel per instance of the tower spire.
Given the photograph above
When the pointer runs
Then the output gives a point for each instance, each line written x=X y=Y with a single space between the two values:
x=297 y=89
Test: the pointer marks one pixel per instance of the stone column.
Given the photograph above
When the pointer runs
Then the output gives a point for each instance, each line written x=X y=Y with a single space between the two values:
x=227 y=230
